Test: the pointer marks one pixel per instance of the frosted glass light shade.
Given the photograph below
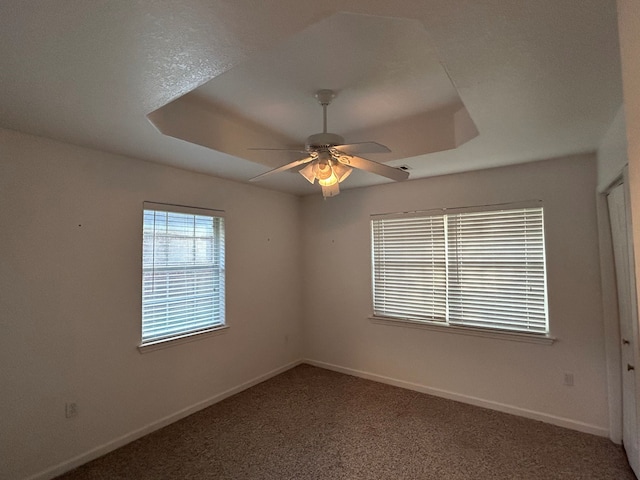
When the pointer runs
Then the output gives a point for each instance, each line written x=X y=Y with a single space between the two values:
x=308 y=172
x=341 y=171
x=327 y=171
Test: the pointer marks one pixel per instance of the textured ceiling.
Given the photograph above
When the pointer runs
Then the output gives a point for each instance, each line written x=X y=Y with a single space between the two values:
x=539 y=78
x=390 y=88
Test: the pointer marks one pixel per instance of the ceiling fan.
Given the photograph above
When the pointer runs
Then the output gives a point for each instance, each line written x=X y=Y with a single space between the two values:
x=330 y=160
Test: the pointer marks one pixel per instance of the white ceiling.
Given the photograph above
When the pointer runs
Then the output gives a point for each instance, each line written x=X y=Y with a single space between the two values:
x=539 y=78
x=389 y=84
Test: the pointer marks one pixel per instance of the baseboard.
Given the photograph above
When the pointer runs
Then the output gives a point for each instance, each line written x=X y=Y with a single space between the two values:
x=479 y=402
x=151 y=427
x=163 y=422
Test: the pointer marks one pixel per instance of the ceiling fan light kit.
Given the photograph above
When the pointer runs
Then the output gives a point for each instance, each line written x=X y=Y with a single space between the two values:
x=330 y=160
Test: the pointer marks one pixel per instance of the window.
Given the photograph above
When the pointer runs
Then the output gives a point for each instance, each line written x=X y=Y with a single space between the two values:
x=480 y=268
x=182 y=272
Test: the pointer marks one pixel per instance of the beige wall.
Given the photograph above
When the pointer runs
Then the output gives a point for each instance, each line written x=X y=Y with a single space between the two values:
x=518 y=377
x=70 y=286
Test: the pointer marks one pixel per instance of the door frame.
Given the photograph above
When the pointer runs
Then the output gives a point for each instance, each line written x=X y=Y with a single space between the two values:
x=611 y=316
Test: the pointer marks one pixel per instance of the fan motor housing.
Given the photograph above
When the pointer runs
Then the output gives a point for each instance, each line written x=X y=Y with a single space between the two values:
x=320 y=140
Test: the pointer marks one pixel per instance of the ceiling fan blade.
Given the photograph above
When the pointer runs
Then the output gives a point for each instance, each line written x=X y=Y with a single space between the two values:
x=393 y=173
x=363 y=147
x=282 y=168
x=297 y=150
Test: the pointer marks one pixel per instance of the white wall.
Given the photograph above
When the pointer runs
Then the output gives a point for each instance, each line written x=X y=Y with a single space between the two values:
x=70 y=286
x=629 y=31
x=518 y=377
x=70 y=299
x=612 y=152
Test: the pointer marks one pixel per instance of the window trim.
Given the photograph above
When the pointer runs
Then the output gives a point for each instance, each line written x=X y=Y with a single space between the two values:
x=489 y=332
x=460 y=330
x=186 y=337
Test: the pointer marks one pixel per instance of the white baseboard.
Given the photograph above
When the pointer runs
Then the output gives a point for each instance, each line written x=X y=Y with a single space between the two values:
x=153 y=426
x=501 y=407
x=163 y=422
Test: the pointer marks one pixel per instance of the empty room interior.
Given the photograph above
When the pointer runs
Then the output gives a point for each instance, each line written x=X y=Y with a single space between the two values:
x=304 y=209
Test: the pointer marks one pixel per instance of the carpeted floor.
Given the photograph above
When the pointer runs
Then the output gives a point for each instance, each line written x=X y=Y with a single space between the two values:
x=311 y=423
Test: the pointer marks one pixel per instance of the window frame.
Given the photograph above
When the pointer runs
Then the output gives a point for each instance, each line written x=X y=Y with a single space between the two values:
x=218 y=326
x=444 y=325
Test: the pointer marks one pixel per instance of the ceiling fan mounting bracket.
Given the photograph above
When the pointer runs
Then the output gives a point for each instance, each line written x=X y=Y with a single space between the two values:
x=325 y=96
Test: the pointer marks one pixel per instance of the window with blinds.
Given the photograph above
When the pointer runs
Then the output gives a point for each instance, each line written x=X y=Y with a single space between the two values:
x=183 y=274
x=473 y=268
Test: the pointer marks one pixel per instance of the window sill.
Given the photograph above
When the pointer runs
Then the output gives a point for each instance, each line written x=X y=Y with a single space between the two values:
x=171 y=342
x=476 y=332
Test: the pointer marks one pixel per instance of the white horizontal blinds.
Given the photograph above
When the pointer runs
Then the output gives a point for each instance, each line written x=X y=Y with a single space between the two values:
x=409 y=268
x=183 y=274
x=497 y=270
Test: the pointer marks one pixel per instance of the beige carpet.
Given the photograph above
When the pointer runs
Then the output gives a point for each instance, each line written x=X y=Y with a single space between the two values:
x=310 y=423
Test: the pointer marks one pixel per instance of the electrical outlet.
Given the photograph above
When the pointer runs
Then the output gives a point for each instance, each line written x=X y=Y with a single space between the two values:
x=568 y=379
x=70 y=409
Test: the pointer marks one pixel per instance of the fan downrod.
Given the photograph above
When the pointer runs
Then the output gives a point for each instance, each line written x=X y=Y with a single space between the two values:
x=324 y=140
